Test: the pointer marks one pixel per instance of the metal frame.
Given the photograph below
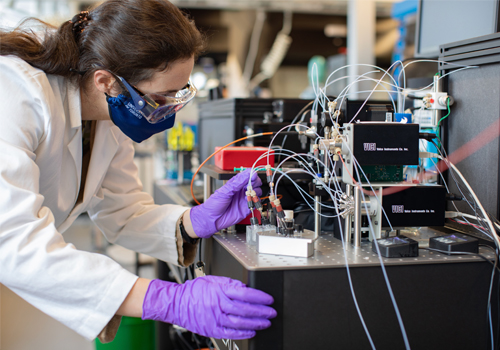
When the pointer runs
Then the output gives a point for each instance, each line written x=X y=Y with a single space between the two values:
x=496 y=28
x=476 y=51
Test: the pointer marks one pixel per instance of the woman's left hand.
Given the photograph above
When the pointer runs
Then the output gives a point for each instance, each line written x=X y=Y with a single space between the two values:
x=226 y=207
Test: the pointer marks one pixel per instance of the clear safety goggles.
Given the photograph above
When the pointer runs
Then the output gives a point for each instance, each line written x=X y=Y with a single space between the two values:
x=155 y=108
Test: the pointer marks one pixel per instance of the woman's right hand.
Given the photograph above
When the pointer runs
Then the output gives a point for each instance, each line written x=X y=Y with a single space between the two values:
x=210 y=306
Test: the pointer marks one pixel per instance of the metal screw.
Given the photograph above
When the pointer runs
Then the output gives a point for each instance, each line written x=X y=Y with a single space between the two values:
x=376 y=222
x=141 y=103
x=347 y=161
x=348 y=128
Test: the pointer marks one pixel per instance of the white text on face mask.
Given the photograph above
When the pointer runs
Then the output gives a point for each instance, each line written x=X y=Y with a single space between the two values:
x=130 y=106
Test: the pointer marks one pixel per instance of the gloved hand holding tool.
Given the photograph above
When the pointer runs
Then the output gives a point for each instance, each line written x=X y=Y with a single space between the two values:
x=210 y=306
x=226 y=207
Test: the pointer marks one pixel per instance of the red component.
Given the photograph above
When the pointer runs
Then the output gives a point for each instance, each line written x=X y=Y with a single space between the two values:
x=273 y=205
x=431 y=100
x=269 y=172
x=237 y=157
x=249 y=198
x=246 y=221
x=255 y=199
x=279 y=208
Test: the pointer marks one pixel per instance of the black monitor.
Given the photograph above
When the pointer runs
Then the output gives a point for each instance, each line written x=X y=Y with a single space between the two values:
x=445 y=21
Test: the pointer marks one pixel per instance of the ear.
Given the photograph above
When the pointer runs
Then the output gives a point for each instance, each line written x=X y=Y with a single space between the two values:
x=105 y=82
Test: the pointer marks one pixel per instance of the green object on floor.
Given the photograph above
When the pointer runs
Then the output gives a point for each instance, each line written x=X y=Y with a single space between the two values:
x=133 y=334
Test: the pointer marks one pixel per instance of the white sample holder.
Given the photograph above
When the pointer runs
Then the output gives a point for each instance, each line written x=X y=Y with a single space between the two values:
x=299 y=244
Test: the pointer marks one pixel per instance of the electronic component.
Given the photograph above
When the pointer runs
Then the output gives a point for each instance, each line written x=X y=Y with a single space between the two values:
x=415 y=206
x=380 y=144
x=454 y=243
x=396 y=247
x=367 y=111
x=383 y=143
x=232 y=157
x=382 y=173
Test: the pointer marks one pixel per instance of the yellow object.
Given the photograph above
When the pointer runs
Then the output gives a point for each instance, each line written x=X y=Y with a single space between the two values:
x=180 y=138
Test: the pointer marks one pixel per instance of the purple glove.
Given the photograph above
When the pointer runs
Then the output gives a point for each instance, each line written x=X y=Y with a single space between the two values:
x=226 y=207
x=210 y=306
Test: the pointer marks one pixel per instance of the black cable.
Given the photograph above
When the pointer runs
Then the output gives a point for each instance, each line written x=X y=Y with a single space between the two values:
x=184 y=341
x=471 y=197
x=496 y=343
x=497 y=339
x=498 y=314
x=490 y=317
x=293 y=122
x=199 y=250
x=198 y=344
x=463 y=253
x=495 y=269
x=429 y=136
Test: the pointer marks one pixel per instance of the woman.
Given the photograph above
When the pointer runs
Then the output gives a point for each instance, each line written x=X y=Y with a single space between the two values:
x=71 y=103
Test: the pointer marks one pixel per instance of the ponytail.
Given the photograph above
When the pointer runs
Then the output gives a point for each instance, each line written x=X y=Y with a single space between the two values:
x=53 y=51
x=132 y=38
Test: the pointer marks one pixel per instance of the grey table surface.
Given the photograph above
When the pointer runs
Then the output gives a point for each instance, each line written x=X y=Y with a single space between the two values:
x=329 y=253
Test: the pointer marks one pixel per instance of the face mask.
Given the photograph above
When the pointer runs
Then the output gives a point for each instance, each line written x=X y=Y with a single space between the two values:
x=131 y=122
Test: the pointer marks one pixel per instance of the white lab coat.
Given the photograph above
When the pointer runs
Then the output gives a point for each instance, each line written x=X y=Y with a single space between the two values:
x=40 y=173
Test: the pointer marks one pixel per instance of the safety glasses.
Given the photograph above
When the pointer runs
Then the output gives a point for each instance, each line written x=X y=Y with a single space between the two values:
x=156 y=108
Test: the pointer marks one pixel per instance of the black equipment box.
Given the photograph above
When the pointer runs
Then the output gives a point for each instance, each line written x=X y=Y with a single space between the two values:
x=374 y=111
x=225 y=120
x=415 y=207
x=385 y=143
x=455 y=243
x=396 y=247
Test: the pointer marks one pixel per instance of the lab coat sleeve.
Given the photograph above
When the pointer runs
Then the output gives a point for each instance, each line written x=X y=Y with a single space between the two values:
x=128 y=216
x=80 y=289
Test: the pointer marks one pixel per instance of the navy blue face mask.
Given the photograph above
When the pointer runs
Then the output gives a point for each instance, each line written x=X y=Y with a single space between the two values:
x=131 y=122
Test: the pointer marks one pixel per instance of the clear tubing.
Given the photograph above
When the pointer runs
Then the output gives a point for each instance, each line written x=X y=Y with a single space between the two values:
x=438 y=61
x=320 y=100
x=355 y=162
x=301 y=170
x=308 y=204
x=349 y=278
x=384 y=272
x=370 y=95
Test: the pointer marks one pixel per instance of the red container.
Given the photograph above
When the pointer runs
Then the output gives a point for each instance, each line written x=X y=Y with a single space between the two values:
x=246 y=221
x=237 y=157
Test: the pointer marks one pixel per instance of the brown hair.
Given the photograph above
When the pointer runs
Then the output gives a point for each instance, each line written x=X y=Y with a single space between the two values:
x=131 y=38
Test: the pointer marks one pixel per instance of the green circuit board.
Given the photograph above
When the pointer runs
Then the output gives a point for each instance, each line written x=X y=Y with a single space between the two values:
x=382 y=173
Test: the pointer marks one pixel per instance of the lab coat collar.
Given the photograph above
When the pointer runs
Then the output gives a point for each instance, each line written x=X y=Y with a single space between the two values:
x=74 y=105
x=106 y=141
x=104 y=149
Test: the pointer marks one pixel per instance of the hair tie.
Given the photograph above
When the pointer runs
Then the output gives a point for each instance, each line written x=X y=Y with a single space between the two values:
x=80 y=22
